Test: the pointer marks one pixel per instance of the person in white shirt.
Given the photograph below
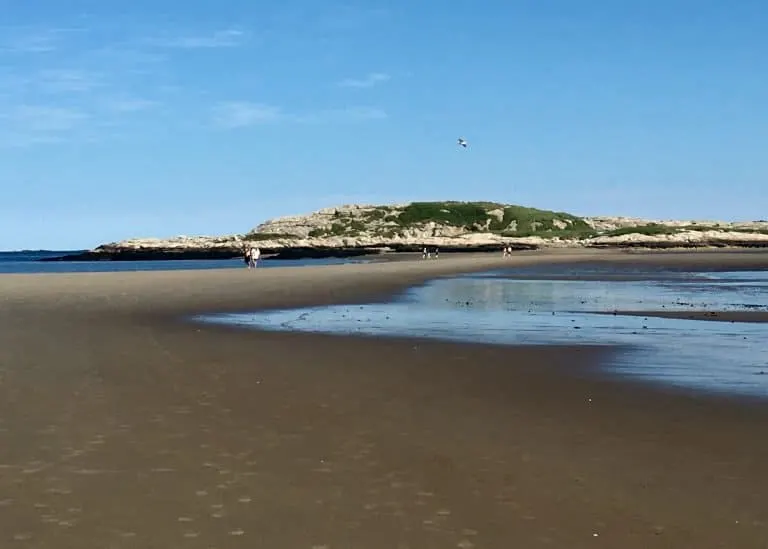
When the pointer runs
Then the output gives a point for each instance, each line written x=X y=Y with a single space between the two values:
x=255 y=255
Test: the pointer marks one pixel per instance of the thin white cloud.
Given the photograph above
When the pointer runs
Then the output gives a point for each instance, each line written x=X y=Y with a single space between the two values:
x=39 y=43
x=226 y=38
x=99 y=87
x=346 y=114
x=243 y=114
x=128 y=105
x=42 y=118
x=368 y=81
x=239 y=114
x=26 y=40
x=365 y=113
x=125 y=57
x=12 y=82
x=48 y=81
x=40 y=124
x=350 y=18
x=25 y=125
x=67 y=80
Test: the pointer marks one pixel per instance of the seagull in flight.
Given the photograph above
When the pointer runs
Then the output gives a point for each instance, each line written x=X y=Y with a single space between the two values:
x=462 y=142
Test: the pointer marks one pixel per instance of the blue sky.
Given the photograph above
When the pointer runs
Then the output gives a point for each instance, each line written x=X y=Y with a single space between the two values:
x=166 y=117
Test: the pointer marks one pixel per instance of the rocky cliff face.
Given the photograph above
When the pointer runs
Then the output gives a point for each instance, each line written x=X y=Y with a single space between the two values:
x=356 y=229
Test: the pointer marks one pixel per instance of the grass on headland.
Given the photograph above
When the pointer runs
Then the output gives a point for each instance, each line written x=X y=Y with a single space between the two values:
x=655 y=229
x=476 y=216
x=456 y=214
x=652 y=229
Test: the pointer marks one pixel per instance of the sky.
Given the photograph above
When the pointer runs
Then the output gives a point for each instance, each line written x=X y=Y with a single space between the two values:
x=169 y=117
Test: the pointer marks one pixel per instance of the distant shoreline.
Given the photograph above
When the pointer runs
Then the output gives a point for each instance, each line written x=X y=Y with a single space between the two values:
x=356 y=230
x=323 y=252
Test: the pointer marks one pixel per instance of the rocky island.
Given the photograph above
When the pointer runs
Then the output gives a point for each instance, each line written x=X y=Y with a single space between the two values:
x=354 y=230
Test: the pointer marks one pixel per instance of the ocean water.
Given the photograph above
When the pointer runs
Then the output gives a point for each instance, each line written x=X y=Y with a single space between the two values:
x=558 y=305
x=28 y=262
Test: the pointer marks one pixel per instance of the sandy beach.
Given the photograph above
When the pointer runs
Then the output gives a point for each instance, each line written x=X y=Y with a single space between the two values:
x=123 y=425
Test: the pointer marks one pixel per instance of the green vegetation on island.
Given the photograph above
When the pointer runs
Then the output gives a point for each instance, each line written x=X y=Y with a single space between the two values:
x=652 y=229
x=454 y=218
x=468 y=217
x=657 y=229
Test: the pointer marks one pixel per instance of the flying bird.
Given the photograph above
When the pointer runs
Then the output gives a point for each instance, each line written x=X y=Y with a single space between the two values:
x=462 y=142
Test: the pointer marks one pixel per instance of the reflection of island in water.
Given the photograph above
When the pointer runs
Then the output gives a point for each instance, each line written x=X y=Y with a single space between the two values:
x=515 y=308
x=745 y=290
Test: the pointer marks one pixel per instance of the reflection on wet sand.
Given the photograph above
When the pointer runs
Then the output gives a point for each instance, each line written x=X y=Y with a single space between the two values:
x=664 y=340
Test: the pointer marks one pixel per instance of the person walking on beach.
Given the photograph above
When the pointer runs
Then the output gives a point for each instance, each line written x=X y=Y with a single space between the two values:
x=254 y=256
x=247 y=256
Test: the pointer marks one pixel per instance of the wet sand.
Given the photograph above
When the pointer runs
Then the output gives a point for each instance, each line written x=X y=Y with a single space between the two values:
x=718 y=316
x=122 y=426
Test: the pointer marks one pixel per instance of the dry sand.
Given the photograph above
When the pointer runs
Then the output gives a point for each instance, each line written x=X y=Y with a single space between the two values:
x=122 y=426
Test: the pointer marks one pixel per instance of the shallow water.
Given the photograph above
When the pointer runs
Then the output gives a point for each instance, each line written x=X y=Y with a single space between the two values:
x=512 y=307
x=29 y=262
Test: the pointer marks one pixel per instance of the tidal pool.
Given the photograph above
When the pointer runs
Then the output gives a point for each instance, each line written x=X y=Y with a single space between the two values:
x=558 y=305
